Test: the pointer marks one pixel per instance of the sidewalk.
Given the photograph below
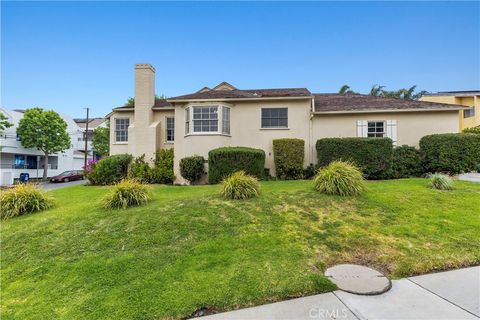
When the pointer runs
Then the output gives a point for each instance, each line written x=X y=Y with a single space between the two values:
x=445 y=295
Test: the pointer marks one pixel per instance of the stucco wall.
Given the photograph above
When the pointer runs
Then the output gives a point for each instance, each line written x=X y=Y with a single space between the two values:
x=245 y=130
x=134 y=142
x=119 y=147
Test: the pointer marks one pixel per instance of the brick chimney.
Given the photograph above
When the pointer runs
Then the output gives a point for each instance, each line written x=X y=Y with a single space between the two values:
x=144 y=129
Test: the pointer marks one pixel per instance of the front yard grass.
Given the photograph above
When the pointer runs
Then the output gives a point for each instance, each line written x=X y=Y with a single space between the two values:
x=189 y=249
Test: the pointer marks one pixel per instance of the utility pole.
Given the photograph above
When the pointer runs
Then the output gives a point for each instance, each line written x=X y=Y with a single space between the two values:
x=86 y=141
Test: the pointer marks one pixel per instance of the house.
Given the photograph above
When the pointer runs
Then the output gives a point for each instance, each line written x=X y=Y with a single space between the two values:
x=15 y=159
x=227 y=116
x=93 y=123
x=468 y=117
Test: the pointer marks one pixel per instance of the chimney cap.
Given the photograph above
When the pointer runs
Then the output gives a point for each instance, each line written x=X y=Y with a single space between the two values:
x=144 y=66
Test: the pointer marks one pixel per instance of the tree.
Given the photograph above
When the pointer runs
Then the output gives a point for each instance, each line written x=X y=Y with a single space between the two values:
x=4 y=123
x=131 y=101
x=377 y=90
x=44 y=130
x=101 y=141
x=345 y=89
x=404 y=93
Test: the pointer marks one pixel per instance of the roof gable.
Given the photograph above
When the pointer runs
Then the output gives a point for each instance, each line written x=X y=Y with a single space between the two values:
x=224 y=86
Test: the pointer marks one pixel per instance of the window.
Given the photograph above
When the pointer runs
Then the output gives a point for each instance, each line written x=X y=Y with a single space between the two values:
x=169 y=129
x=205 y=119
x=469 y=112
x=376 y=129
x=121 y=129
x=19 y=161
x=226 y=120
x=274 y=117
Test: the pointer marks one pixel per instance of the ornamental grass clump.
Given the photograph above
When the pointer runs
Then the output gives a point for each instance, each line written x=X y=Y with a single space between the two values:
x=23 y=199
x=127 y=193
x=441 y=181
x=240 y=186
x=339 y=178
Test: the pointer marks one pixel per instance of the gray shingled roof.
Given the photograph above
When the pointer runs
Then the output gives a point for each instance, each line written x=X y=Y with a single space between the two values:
x=331 y=102
x=245 y=94
x=159 y=103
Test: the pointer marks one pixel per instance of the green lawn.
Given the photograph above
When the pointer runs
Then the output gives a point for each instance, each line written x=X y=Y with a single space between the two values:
x=190 y=249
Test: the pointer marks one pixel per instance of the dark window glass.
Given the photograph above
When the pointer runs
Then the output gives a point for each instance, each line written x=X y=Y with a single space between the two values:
x=274 y=117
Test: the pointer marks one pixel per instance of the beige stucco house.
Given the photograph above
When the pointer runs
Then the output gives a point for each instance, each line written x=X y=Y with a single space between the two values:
x=226 y=116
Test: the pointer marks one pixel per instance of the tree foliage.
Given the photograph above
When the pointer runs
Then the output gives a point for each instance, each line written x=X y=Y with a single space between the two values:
x=101 y=141
x=44 y=130
x=380 y=91
x=131 y=101
x=4 y=123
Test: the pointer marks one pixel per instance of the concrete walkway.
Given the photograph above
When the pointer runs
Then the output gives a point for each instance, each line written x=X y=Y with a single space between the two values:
x=60 y=185
x=445 y=295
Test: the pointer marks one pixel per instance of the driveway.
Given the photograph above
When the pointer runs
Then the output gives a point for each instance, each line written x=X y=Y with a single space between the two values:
x=59 y=185
x=472 y=177
x=444 y=295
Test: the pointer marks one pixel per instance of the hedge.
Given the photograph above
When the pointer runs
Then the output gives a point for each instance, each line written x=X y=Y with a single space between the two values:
x=192 y=168
x=163 y=167
x=288 y=157
x=224 y=161
x=451 y=153
x=372 y=155
x=110 y=170
x=406 y=162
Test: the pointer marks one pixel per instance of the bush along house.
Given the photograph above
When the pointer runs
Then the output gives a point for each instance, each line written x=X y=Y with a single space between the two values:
x=224 y=116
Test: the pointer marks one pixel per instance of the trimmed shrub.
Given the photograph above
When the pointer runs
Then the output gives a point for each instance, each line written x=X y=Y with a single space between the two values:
x=441 y=181
x=110 y=170
x=339 y=178
x=23 y=199
x=224 y=161
x=475 y=130
x=140 y=170
x=192 y=168
x=288 y=157
x=309 y=172
x=450 y=152
x=126 y=193
x=163 y=169
x=240 y=186
x=372 y=155
x=406 y=162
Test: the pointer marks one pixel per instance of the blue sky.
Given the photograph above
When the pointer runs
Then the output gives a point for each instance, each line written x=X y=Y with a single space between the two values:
x=68 y=55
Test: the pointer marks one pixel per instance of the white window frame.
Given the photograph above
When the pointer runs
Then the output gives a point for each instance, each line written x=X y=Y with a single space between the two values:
x=273 y=128
x=126 y=130
x=190 y=121
x=166 y=129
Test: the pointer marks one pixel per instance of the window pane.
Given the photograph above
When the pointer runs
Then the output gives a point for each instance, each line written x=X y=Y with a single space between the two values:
x=274 y=118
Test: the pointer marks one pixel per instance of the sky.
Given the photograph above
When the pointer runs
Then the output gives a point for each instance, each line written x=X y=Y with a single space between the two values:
x=67 y=56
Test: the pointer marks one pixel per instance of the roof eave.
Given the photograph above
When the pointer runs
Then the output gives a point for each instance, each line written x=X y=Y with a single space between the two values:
x=389 y=110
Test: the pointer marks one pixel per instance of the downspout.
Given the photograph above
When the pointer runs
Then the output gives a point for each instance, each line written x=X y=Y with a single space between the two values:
x=310 y=129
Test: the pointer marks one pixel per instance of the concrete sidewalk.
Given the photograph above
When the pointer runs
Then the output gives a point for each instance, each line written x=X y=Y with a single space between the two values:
x=445 y=295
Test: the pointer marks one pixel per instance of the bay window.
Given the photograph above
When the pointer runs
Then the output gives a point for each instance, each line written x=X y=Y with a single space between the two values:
x=207 y=119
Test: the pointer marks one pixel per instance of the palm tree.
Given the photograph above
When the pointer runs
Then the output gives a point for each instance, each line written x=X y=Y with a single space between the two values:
x=377 y=91
x=345 y=89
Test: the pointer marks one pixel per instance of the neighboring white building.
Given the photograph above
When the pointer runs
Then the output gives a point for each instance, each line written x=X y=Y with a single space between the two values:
x=93 y=123
x=15 y=159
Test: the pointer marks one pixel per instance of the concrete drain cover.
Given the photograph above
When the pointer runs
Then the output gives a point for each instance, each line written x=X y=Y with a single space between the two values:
x=358 y=279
